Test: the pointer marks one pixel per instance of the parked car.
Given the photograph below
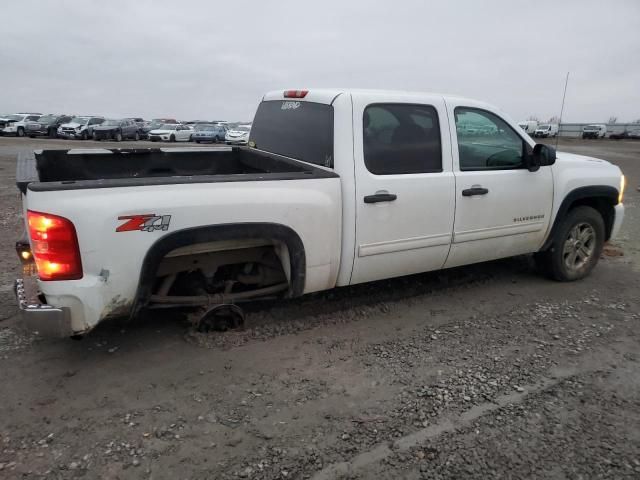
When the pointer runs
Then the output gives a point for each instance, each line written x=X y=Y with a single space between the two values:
x=331 y=192
x=635 y=134
x=117 y=130
x=594 y=131
x=620 y=135
x=546 y=130
x=529 y=126
x=171 y=132
x=204 y=132
x=79 y=127
x=238 y=135
x=15 y=124
x=162 y=121
x=47 y=125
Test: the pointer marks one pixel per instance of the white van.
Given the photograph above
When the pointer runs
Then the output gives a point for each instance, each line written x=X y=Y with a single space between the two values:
x=529 y=126
x=546 y=130
x=594 y=131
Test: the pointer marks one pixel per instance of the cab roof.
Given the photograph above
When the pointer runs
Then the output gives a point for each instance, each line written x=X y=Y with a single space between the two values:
x=328 y=95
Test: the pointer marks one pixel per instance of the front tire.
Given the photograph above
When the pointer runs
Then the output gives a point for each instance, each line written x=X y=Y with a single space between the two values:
x=118 y=137
x=172 y=138
x=20 y=132
x=576 y=248
x=136 y=137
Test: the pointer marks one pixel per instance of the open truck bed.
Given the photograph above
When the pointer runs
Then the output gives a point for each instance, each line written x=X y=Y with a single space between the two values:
x=217 y=209
x=48 y=170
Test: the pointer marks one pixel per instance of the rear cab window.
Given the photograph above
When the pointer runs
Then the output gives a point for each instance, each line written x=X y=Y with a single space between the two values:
x=401 y=139
x=297 y=129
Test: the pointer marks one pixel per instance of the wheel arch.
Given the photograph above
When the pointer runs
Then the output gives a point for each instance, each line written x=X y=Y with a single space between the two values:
x=602 y=198
x=211 y=233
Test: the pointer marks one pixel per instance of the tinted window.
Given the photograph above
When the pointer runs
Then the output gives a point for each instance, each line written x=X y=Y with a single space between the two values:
x=400 y=138
x=486 y=142
x=301 y=130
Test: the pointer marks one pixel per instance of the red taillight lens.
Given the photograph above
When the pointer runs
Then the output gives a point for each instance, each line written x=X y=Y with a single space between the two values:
x=295 y=93
x=54 y=246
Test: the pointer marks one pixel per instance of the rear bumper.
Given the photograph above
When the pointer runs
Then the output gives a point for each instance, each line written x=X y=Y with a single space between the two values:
x=40 y=318
x=104 y=135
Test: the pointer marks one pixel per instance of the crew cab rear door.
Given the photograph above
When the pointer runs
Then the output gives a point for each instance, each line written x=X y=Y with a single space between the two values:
x=502 y=209
x=404 y=185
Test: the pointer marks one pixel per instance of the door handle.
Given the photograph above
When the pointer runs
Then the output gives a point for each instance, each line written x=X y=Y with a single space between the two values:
x=380 y=197
x=469 y=192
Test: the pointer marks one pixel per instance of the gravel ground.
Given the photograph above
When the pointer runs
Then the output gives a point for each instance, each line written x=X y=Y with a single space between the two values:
x=486 y=371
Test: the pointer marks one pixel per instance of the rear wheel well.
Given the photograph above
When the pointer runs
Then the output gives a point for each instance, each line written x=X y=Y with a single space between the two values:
x=223 y=259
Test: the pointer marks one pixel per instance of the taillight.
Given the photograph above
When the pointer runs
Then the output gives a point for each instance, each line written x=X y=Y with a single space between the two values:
x=295 y=93
x=54 y=246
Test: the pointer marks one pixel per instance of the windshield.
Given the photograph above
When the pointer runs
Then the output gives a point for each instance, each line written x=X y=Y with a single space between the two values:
x=48 y=119
x=111 y=123
x=168 y=126
x=204 y=127
x=242 y=128
x=592 y=127
x=15 y=117
x=79 y=120
x=544 y=127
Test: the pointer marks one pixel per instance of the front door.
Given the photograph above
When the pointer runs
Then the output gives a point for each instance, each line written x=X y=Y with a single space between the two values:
x=404 y=187
x=502 y=209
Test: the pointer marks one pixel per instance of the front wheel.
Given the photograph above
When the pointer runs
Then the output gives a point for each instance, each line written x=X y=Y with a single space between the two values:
x=118 y=137
x=136 y=137
x=20 y=132
x=576 y=247
x=172 y=138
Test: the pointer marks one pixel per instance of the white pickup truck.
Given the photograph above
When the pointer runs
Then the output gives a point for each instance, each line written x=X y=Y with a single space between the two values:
x=335 y=188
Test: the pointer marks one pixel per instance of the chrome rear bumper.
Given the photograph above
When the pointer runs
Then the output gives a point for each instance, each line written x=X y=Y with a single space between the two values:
x=40 y=318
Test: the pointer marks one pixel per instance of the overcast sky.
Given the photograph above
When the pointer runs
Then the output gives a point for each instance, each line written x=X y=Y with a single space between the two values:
x=193 y=59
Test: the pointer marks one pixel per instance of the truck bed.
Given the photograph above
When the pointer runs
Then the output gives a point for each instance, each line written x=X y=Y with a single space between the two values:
x=48 y=170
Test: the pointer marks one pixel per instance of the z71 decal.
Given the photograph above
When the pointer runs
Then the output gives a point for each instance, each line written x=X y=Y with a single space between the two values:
x=148 y=222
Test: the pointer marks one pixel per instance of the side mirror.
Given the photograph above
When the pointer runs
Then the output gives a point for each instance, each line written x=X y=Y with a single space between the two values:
x=542 y=156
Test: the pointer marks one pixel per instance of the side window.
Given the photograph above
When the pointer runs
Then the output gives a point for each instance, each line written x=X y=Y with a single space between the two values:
x=486 y=142
x=401 y=139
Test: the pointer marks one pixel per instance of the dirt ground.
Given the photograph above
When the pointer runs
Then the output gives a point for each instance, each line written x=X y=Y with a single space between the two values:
x=488 y=371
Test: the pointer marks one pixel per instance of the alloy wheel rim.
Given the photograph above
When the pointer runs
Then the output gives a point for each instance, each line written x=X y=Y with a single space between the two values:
x=579 y=246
